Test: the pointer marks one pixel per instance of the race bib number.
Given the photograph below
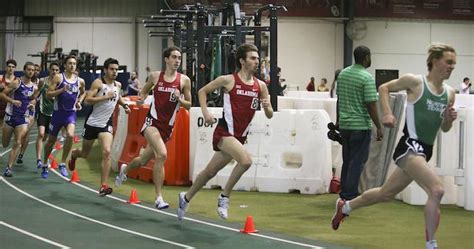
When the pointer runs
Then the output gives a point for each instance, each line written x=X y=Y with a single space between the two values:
x=255 y=102
x=173 y=97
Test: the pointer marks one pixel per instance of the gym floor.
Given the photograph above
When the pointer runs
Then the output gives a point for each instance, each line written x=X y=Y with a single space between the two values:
x=48 y=213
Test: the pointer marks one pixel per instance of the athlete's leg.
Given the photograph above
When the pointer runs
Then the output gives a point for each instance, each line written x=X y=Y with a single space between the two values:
x=19 y=132
x=217 y=162
x=68 y=142
x=2 y=117
x=156 y=143
x=48 y=147
x=39 y=141
x=232 y=147
x=7 y=132
x=26 y=137
x=397 y=181
x=417 y=167
x=84 y=151
x=105 y=140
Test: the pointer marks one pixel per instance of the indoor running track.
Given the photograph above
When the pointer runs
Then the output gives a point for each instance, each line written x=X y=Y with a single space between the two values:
x=53 y=213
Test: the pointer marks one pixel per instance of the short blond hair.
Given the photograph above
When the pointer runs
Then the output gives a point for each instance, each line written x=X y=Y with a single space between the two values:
x=436 y=51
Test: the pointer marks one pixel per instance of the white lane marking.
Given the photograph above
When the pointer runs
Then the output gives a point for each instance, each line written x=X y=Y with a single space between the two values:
x=9 y=149
x=190 y=219
x=92 y=220
x=33 y=235
x=194 y=220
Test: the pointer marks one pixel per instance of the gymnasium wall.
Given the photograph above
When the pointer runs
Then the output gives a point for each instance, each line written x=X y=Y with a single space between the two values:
x=310 y=47
x=104 y=37
x=307 y=46
x=2 y=41
x=403 y=46
x=107 y=28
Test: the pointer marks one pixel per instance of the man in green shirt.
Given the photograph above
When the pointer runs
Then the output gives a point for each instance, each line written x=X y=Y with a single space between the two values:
x=45 y=110
x=429 y=107
x=356 y=103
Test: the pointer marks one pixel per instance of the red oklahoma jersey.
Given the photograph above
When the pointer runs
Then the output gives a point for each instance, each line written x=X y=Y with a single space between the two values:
x=165 y=105
x=240 y=105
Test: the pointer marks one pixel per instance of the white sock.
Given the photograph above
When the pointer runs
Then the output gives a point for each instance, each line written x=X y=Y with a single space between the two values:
x=159 y=199
x=431 y=244
x=346 y=209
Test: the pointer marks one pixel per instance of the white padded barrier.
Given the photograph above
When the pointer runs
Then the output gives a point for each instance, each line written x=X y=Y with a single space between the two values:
x=464 y=100
x=289 y=152
x=294 y=101
x=327 y=104
x=294 y=152
x=306 y=94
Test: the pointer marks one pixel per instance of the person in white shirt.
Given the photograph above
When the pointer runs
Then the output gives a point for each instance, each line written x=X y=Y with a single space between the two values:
x=465 y=86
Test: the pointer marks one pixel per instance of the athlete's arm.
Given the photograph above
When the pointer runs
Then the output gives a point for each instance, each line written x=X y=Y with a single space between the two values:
x=40 y=86
x=4 y=95
x=407 y=82
x=52 y=92
x=186 y=91
x=225 y=81
x=265 y=100
x=121 y=102
x=91 y=98
x=82 y=90
x=32 y=103
x=450 y=113
x=152 y=79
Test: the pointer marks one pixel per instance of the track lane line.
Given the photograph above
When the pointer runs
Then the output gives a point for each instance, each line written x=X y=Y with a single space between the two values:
x=90 y=219
x=190 y=219
x=34 y=235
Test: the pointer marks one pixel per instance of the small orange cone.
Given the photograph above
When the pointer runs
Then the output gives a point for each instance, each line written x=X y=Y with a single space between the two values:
x=75 y=177
x=76 y=139
x=133 y=197
x=249 y=226
x=54 y=164
x=58 y=145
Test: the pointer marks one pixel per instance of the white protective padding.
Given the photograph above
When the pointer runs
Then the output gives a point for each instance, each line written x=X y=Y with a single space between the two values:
x=327 y=104
x=290 y=152
x=306 y=94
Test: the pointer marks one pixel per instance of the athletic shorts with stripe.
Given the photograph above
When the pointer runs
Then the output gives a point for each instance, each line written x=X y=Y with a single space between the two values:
x=163 y=128
x=92 y=132
x=220 y=132
x=409 y=144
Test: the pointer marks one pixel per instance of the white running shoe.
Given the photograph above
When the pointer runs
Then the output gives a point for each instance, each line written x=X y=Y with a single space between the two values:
x=183 y=205
x=161 y=204
x=222 y=206
x=122 y=177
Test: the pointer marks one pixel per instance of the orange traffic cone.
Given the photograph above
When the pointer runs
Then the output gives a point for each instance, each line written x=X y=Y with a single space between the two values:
x=58 y=145
x=133 y=197
x=76 y=139
x=249 y=226
x=75 y=177
x=54 y=164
